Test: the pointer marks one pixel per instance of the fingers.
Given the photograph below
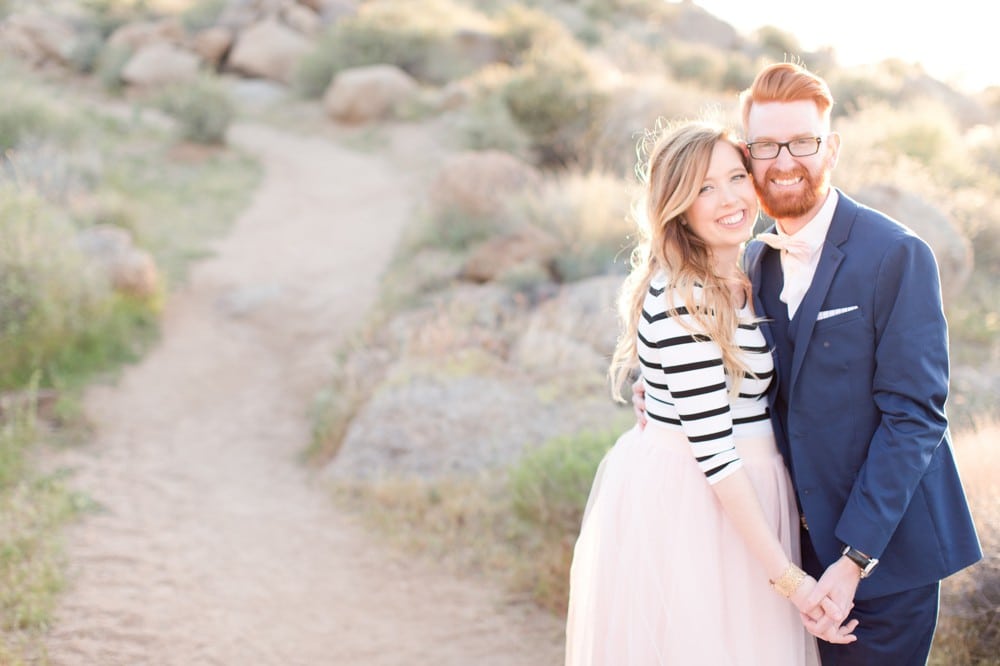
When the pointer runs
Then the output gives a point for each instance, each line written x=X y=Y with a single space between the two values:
x=832 y=609
x=838 y=634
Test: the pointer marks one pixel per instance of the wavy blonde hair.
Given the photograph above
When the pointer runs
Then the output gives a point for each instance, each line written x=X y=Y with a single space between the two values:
x=671 y=178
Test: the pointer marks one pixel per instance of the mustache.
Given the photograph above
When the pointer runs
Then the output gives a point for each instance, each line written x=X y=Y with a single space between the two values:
x=778 y=174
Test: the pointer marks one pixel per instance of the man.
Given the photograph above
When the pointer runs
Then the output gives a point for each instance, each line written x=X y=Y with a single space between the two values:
x=854 y=316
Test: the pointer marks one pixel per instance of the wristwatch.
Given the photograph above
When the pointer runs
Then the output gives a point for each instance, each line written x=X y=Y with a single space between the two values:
x=865 y=563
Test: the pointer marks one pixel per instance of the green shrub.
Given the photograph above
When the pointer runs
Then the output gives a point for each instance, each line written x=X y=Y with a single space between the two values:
x=202 y=14
x=32 y=509
x=777 y=43
x=549 y=486
x=50 y=293
x=109 y=66
x=520 y=29
x=390 y=32
x=25 y=115
x=86 y=52
x=487 y=124
x=455 y=230
x=202 y=108
x=555 y=97
x=697 y=63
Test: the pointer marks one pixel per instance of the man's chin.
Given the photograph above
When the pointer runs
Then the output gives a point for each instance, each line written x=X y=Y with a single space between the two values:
x=786 y=207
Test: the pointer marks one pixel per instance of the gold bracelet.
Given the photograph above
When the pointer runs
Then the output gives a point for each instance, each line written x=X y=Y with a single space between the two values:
x=789 y=581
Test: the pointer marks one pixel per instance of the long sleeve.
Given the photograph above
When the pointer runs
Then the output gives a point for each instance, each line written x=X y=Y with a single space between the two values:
x=686 y=384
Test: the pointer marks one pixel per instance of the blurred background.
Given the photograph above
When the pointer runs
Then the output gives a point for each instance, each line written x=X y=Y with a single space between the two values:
x=519 y=121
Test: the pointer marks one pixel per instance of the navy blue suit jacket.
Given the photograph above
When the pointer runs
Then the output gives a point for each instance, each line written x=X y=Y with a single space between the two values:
x=863 y=428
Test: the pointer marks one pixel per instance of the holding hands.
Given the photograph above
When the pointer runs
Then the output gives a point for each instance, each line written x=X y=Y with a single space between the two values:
x=821 y=614
x=823 y=605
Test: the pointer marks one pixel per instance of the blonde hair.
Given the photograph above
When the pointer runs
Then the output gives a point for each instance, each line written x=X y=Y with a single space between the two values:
x=671 y=178
x=786 y=82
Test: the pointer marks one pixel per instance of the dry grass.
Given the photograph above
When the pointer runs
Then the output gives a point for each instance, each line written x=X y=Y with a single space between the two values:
x=969 y=626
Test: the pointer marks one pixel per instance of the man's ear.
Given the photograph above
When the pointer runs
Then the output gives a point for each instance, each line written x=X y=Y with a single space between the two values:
x=742 y=145
x=833 y=145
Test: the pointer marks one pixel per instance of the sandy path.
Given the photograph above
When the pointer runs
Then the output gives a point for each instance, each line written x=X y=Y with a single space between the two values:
x=215 y=546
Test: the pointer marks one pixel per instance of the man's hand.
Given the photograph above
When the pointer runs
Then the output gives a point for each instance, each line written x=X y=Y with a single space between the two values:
x=836 y=588
x=813 y=613
x=639 y=402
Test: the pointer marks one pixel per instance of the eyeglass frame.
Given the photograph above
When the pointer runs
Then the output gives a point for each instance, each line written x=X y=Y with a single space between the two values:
x=787 y=145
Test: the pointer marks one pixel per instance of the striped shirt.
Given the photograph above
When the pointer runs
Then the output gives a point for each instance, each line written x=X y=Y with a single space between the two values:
x=687 y=388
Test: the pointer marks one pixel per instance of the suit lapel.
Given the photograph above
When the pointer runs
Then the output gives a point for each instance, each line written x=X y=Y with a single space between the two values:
x=829 y=261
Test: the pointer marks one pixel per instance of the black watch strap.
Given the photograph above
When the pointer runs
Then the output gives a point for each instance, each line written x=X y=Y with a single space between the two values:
x=864 y=562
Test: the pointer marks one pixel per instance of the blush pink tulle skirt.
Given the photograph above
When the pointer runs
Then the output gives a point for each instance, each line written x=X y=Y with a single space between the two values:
x=660 y=576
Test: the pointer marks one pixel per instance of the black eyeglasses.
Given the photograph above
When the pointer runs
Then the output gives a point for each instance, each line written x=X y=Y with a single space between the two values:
x=768 y=150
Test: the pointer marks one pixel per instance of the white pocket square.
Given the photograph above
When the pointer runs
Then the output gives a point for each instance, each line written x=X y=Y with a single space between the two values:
x=826 y=314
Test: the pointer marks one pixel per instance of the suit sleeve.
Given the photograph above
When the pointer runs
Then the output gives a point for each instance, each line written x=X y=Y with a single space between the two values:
x=909 y=389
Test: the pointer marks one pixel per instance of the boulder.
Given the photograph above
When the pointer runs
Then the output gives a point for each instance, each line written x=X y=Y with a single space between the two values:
x=269 y=50
x=212 y=44
x=38 y=38
x=134 y=36
x=303 y=20
x=499 y=255
x=129 y=269
x=478 y=183
x=160 y=64
x=366 y=94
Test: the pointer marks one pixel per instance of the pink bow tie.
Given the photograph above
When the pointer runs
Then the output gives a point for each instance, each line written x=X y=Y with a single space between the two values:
x=798 y=249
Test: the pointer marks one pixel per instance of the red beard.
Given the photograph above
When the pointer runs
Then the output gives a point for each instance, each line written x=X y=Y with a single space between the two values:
x=790 y=205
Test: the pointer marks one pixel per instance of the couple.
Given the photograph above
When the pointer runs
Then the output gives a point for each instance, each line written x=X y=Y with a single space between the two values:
x=791 y=414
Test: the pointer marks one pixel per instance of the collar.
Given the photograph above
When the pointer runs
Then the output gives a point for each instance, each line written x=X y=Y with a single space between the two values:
x=814 y=231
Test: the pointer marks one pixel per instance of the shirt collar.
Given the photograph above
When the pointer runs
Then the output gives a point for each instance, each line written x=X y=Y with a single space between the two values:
x=814 y=231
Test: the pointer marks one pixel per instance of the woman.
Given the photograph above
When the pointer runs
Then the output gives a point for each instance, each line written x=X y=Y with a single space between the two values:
x=687 y=553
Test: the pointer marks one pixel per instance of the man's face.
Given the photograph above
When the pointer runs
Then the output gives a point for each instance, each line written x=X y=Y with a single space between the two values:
x=792 y=188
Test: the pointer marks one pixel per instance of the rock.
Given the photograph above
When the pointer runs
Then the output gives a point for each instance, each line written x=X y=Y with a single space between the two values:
x=268 y=49
x=952 y=250
x=130 y=270
x=160 y=64
x=492 y=258
x=480 y=183
x=448 y=426
x=134 y=36
x=366 y=94
x=303 y=20
x=212 y=44
x=38 y=38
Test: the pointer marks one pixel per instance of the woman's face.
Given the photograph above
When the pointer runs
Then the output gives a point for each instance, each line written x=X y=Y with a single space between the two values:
x=725 y=208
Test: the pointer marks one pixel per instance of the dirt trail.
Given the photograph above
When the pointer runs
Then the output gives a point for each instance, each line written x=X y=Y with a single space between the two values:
x=214 y=545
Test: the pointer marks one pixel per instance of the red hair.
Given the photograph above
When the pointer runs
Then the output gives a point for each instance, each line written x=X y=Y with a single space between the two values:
x=786 y=82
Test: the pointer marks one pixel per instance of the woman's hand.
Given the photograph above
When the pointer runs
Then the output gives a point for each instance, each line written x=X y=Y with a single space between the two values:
x=812 y=614
x=639 y=402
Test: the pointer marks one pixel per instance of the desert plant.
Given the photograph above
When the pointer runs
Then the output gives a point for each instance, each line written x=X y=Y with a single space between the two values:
x=777 y=43
x=391 y=33
x=548 y=489
x=49 y=291
x=556 y=97
x=202 y=14
x=487 y=124
x=202 y=108
x=109 y=66
x=969 y=628
x=587 y=213
x=520 y=28
x=25 y=115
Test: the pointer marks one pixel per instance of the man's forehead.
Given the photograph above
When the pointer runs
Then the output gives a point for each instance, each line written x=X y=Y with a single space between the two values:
x=785 y=118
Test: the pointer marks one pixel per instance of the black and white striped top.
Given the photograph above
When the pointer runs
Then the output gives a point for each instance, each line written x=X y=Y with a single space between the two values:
x=687 y=388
